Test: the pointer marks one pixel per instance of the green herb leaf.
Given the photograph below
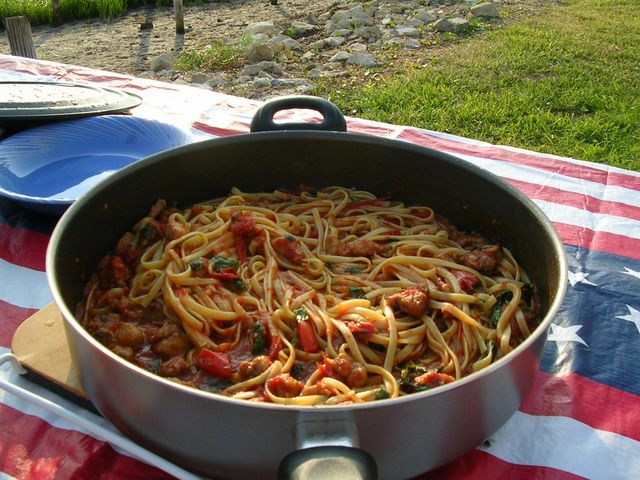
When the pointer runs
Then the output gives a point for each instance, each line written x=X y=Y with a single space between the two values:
x=408 y=372
x=258 y=338
x=502 y=299
x=382 y=394
x=196 y=264
x=356 y=292
x=495 y=315
x=220 y=262
x=238 y=285
x=297 y=370
x=301 y=315
x=147 y=231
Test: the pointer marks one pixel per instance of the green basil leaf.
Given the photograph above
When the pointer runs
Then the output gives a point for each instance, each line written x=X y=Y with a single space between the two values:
x=301 y=315
x=382 y=394
x=259 y=336
x=220 y=262
x=356 y=292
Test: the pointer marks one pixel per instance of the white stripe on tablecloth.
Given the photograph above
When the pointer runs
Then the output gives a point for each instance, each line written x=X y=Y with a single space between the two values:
x=593 y=221
x=524 y=173
x=23 y=287
x=565 y=444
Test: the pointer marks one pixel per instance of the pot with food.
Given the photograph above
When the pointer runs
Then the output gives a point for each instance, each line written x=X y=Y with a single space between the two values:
x=278 y=299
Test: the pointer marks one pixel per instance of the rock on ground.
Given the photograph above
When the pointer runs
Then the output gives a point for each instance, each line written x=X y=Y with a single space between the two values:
x=293 y=43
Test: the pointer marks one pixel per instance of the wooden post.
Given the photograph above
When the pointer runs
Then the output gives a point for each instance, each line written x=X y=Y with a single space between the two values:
x=55 y=9
x=177 y=5
x=20 y=39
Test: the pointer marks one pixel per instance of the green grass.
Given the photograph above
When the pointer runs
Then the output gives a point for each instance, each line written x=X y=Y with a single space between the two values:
x=565 y=81
x=215 y=56
x=39 y=12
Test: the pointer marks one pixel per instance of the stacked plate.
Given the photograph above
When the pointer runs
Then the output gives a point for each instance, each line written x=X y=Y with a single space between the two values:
x=46 y=167
x=28 y=102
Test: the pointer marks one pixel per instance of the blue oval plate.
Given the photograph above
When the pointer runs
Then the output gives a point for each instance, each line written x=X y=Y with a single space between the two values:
x=46 y=168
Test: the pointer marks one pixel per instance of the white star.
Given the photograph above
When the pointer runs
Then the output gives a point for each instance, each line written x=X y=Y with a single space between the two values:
x=633 y=317
x=633 y=273
x=579 y=277
x=564 y=335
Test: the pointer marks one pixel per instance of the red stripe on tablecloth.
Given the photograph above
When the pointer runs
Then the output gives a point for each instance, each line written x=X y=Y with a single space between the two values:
x=31 y=448
x=221 y=132
x=539 y=161
x=577 y=200
x=11 y=318
x=366 y=127
x=480 y=465
x=592 y=403
x=598 y=241
x=23 y=247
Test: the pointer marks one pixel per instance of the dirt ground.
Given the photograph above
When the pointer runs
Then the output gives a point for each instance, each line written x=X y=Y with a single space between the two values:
x=121 y=45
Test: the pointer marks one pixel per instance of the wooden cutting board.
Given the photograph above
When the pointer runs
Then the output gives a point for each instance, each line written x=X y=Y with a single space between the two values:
x=40 y=344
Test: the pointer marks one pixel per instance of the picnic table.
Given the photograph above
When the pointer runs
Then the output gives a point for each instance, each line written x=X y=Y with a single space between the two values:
x=582 y=416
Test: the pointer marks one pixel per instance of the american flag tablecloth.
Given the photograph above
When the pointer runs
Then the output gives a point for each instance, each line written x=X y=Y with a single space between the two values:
x=582 y=417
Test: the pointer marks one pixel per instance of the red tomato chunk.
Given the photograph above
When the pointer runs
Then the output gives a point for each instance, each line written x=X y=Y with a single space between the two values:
x=215 y=363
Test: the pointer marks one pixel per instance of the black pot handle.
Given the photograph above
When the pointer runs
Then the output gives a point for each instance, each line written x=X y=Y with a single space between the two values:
x=332 y=120
x=328 y=463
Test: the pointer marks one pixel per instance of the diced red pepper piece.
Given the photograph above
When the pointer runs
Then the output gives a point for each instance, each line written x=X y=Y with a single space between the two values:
x=241 y=248
x=216 y=363
x=307 y=337
x=275 y=342
x=275 y=346
x=421 y=212
x=244 y=226
x=466 y=280
x=227 y=273
x=288 y=248
x=325 y=367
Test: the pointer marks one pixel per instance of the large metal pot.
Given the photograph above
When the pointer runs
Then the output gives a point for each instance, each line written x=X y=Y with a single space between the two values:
x=221 y=437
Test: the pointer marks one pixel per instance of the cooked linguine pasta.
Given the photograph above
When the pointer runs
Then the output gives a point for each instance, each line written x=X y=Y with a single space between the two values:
x=307 y=297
